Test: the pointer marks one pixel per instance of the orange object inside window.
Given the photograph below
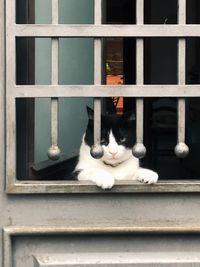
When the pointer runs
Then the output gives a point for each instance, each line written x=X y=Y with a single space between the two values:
x=114 y=80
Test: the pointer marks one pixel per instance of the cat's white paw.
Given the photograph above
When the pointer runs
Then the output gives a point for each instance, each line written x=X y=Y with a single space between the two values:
x=147 y=176
x=104 y=180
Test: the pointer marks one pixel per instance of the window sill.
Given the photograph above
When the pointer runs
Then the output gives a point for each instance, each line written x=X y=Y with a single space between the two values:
x=163 y=186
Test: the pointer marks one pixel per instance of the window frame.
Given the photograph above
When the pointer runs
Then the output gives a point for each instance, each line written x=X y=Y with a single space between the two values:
x=25 y=116
x=97 y=31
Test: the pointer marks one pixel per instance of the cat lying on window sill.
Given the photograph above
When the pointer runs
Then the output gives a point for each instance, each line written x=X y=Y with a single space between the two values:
x=117 y=163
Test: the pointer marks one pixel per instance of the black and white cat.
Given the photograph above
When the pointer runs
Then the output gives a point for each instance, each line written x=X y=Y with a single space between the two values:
x=117 y=163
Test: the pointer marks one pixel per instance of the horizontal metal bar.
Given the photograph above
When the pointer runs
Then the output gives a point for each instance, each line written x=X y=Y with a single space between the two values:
x=62 y=30
x=133 y=228
x=105 y=91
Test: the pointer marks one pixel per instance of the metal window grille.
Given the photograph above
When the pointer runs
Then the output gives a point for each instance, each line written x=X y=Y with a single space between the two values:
x=54 y=91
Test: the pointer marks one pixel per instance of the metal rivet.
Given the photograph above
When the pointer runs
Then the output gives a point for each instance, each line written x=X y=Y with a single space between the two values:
x=96 y=151
x=181 y=150
x=139 y=150
x=54 y=153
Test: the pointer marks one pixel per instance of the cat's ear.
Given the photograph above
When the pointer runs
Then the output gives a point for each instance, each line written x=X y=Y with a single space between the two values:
x=90 y=113
x=130 y=116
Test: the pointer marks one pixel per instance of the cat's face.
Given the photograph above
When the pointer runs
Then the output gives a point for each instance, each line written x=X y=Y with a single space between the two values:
x=117 y=136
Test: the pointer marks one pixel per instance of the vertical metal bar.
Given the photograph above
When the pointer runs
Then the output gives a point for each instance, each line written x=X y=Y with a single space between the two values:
x=181 y=149
x=139 y=81
x=97 y=101
x=54 y=151
x=54 y=78
x=97 y=151
x=139 y=149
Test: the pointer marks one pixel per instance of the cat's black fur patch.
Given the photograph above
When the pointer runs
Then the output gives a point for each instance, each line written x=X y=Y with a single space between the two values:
x=122 y=127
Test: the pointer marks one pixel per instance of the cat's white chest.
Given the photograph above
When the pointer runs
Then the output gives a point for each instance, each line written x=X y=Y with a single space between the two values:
x=103 y=172
x=125 y=170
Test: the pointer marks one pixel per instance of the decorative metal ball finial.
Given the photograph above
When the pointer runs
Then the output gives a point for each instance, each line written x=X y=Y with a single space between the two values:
x=139 y=150
x=96 y=151
x=181 y=150
x=54 y=153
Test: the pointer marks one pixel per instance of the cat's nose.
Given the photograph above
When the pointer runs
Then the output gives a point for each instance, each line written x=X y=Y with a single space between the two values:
x=113 y=152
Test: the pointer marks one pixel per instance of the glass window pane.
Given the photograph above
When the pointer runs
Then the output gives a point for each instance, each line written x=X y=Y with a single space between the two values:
x=76 y=11
x=160 y=12
x=160 y=60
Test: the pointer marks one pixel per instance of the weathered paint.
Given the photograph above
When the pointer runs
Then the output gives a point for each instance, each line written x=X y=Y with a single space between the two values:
x=35 y=227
